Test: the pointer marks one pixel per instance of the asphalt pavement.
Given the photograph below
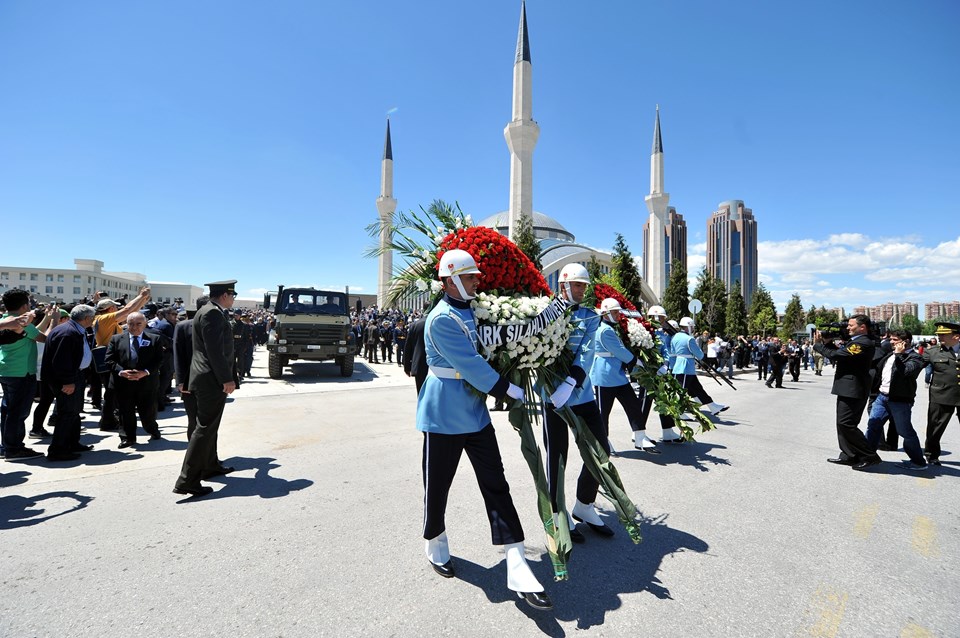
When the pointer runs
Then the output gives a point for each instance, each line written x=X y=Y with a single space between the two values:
x=747 y=532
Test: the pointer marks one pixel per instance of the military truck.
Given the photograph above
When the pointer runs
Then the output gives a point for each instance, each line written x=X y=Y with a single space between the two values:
x=311 y=325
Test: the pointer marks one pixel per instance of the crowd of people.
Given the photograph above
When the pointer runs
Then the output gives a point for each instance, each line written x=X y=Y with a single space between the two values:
x=382 y=333
x=120 y=355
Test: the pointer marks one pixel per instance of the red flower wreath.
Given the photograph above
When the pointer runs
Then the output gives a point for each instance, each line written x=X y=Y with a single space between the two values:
x=504 y=266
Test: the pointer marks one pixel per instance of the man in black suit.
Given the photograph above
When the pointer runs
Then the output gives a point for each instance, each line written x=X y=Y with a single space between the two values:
x=182 y=356
x=851 y=385
x=415 y=354
x=66 y=357
x=134 y=359
x=211 y=380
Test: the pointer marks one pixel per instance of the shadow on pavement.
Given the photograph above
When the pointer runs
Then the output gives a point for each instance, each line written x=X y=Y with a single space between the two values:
x=262 y=484
x=23 y=511
x=695 y=454
x=9 y=479
x=601 y=570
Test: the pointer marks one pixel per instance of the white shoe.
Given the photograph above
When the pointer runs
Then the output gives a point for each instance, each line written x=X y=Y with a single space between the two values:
x=587 y=513
x=670 y=435
x=519 y=576
x=715 y=408
x=645 y=443
x=437 y=549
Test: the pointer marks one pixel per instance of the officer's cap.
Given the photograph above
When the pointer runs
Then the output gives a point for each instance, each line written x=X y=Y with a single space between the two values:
x=946 y=327
x=218 y=288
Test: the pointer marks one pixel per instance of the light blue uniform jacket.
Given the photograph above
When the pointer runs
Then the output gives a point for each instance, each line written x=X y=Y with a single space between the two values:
x=581 y=341
x=685 y=349
x=450 y=405
x=609 y=358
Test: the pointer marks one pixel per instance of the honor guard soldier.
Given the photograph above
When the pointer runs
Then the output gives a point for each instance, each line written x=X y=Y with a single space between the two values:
x=684 y=347
x=609 y=374
x=577 y=392
x=851 y=385
x=211 y=381
x=665 y=335
x=453 y=417
x=944 y=386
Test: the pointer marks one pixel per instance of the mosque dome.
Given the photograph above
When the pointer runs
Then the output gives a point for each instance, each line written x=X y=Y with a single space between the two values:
x=544 y=226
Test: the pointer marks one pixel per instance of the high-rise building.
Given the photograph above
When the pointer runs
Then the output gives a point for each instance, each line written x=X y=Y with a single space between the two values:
x=937 y=309
x=675 y=242
x=732 y=246
x=891 y=313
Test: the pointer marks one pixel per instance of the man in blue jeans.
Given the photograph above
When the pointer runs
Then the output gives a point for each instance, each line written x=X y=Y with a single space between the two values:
x=18 y=376
x=898 y=371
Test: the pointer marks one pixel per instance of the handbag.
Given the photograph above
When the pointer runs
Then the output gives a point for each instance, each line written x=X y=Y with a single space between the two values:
x=100 y=359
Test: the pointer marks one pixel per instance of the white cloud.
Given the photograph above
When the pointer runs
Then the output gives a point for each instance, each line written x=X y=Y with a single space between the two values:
x=257 y=291
x=847 y=239
x=697 y=249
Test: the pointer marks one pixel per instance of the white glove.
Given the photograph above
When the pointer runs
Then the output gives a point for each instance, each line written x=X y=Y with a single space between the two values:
x=515 y=392
x=662 y=371
x=562 y=394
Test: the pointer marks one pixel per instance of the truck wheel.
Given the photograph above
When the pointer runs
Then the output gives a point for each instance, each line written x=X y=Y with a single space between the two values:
x=274 y=366
x=346 y=366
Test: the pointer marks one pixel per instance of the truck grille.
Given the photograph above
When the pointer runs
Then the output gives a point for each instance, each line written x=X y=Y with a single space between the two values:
x=318 y=335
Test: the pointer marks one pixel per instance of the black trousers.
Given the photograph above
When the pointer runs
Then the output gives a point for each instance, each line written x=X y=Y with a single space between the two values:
x=190 y=407
x=386 y=351
x=762 y=364
x=556 y=438
x=938 y=416
x=776 y=376
x=795 y=368
x=108 y=409
x=47 y=397
x=441 y=455
x=632 y=405
x=136 y=397
x=692 y=385
x=66 y=432
x=853 y=442
x=201 y=456
x=647 y=400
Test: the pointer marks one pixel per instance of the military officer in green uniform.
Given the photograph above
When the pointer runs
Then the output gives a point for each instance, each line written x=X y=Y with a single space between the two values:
x=944 y=386
x=211 y=380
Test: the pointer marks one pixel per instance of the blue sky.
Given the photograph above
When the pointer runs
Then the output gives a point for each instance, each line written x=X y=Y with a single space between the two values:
x=240 y=139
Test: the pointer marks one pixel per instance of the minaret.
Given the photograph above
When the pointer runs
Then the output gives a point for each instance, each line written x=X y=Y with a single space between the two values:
x=521 y=133
x=386 y=205
x=657 y=202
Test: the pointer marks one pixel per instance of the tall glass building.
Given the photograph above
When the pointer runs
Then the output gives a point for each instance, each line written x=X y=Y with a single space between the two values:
x=732 y=246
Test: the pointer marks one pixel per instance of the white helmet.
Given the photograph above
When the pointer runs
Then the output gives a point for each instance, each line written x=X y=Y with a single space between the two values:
x=656 y=311
x=686 y=323
x=458 y=262
x=574 y=272
x=608 y=305
x=674 y=324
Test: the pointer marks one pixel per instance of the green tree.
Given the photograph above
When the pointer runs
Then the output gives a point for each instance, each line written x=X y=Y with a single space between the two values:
x=793 y=318
x=713 y=293
x=526 y=240
x=763 y=313
x=911 y=324
x=625 y=271
x=825 y=316
x=676 y=295
x=594 y=268
x=736 y=312
x=812 y=314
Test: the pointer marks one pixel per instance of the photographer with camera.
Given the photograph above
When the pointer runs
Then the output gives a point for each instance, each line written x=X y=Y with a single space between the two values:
x=852 y=354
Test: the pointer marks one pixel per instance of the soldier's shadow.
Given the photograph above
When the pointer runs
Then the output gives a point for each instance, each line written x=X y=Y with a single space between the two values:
x=260 y=484
x=22 y=511
x=601 y=571
x=695 y=454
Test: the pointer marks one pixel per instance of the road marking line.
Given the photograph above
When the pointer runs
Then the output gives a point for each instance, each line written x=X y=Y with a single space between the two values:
x=925 y=537
x=864 y=519
x=831 y=605
x=915 y=631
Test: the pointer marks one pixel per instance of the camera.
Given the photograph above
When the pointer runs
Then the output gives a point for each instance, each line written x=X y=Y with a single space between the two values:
x=834 y=331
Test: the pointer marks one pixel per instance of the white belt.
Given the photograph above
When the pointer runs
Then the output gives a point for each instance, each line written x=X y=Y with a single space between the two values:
x=605 y=354
x=685 y=356
x=445 y=373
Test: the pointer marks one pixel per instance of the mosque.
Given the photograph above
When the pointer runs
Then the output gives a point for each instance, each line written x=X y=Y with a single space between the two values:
x=558 y=245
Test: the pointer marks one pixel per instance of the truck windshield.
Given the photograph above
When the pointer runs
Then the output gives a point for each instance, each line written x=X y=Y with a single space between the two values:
x=312 y=302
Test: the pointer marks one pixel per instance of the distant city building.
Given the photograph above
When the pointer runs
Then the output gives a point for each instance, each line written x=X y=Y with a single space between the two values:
x=891 y=313
x=937 y=309
x=71 y=285
x=674 y=246
x=732 y=246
